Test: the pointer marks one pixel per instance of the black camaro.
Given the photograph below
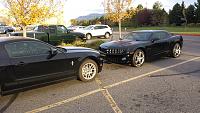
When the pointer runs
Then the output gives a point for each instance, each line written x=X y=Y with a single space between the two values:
x=138 y=46
x=27 y=63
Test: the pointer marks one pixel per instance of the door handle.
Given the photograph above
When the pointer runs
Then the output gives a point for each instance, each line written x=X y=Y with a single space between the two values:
x=20 y=64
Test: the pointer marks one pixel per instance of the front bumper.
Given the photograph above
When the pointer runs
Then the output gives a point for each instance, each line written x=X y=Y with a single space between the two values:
x=100 y=64
x=116 y=58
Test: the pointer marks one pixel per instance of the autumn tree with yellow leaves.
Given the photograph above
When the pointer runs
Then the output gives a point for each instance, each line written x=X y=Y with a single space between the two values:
x=27 y=12
x=116 y=10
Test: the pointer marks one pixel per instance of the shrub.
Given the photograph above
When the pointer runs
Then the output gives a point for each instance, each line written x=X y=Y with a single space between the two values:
x=95 y=44
x=198 y=24
x=191 y=25
x=75 y=43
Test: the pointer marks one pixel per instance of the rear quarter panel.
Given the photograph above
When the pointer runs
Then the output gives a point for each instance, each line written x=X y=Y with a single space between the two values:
x=176 y=39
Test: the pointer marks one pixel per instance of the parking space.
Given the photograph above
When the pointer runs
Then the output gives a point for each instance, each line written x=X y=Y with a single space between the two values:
x=164 y=85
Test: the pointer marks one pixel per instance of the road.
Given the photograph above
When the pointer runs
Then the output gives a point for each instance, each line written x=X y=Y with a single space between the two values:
x=165 y=85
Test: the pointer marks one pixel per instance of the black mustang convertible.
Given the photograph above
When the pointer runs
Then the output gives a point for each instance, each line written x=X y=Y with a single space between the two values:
x=27 y=63
x=138 y=46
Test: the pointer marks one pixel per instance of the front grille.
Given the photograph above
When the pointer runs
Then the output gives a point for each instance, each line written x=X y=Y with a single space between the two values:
x=116 y=59
x=112 y=51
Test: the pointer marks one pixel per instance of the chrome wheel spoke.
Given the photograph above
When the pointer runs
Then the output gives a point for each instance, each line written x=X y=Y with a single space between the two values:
x=177 y=50
x=139 y=58
x=89 y=71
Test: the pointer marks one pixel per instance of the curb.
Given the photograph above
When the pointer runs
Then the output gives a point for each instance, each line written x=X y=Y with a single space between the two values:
x=187 y=34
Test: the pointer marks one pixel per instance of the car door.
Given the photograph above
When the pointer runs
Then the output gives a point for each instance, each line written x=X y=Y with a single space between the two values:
x=62 y=34
x=31 y=63
x=96 y=31
x=159 y=43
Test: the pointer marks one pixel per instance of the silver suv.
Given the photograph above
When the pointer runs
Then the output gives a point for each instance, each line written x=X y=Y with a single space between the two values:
x=96 y=31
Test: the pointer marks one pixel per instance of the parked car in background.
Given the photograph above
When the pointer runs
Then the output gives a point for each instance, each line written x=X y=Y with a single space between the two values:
x=96 y=31
x=75 y=28
x=6 y=29
x=138 y=46
x=53 y=34
x=26 y=63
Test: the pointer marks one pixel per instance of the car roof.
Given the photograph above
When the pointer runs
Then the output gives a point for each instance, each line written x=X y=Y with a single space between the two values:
x=99 y=25
x=14 y=39
x=151 y=31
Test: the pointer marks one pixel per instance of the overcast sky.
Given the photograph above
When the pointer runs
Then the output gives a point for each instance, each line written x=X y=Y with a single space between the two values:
x=75 y=8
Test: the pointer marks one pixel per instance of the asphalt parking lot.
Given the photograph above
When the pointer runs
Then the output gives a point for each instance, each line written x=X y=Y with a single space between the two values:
x=164 y=85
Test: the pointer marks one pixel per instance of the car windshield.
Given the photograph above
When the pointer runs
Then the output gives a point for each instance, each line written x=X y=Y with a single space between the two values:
x=138 y=36
x=88 y=28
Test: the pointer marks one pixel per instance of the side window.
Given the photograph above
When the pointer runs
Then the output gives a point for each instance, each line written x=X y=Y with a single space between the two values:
x=96 y=27
x=52 y=30
x=104 y=27
x=160 y=35
x=163 y=35
x=38 y=48
x=156 y=35
x=27 y=48
x=61 y=29
x=17 y=49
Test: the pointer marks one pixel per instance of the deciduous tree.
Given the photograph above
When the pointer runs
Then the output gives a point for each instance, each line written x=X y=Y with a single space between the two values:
x=27 y=12
x=116 y=10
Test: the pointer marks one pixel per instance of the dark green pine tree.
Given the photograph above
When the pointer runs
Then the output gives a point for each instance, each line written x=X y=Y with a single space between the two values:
x=176 y=14
x=190 y=14
x=197 y=11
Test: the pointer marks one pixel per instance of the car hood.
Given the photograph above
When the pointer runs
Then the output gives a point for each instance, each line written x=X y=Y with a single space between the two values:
x=121 y=44
x=77 y=49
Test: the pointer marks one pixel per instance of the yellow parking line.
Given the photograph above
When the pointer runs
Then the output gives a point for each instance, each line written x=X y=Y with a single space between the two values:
x=108 y=96
x=109 y=86
x=64 y=101
x=148 y=74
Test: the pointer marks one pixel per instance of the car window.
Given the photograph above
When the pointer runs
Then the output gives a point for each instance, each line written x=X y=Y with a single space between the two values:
x=61 y=29
x=27 y=48
x=52 y=29
x=163 y=35
x=103 y=27
x=138 y=36
x=97 y=27
x=160 y=35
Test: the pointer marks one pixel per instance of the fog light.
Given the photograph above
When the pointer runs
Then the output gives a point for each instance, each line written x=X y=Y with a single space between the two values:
x=123 y=58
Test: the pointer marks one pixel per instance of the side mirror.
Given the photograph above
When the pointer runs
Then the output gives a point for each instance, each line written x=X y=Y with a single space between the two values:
x=67 y=31
x=153 y=40
x=53 y=52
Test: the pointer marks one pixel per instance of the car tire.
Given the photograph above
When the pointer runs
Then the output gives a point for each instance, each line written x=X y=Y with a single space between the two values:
x=88 y=36
x=138 y=58
x=88 y=70
x=176 y=50
x=107 y=35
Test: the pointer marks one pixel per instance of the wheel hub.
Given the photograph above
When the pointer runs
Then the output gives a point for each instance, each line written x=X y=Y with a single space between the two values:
x=89 y=71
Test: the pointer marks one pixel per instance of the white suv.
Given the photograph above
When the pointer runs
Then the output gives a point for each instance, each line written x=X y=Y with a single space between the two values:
x=96 y=31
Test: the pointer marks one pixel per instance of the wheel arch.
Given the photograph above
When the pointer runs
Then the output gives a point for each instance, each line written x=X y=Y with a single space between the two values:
x=143 y=49
x=89 y=34
x=95 y=59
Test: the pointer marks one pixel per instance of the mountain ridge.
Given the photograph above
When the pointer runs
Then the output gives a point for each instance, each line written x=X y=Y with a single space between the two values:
x=90 y=16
